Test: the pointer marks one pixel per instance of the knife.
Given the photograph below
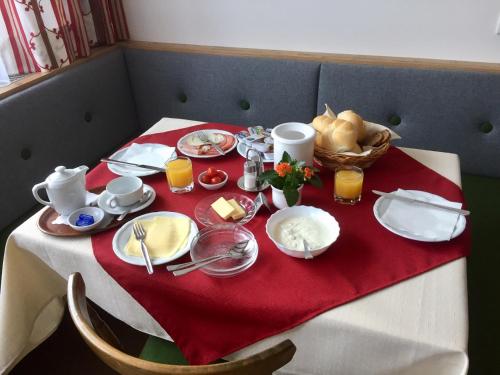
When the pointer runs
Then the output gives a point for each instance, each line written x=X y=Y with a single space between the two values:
x=413 y=200
x=119 y=162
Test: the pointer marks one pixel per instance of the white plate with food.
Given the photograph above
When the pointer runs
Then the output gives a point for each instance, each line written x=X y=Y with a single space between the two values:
x=170 y=235
x=194 y=146
x=146 y=153
x=382 y=204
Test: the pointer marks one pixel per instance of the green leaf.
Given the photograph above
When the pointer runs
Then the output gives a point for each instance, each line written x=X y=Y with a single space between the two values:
x=267 y=175
x=286 y=158
x=278 y=182
x=291 y=195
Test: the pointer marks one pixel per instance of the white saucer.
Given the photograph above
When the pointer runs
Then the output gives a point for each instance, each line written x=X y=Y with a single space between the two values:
x=242 y=150
x=104 y=197
x=381 y=205
x=123 y=234
x=131 y=170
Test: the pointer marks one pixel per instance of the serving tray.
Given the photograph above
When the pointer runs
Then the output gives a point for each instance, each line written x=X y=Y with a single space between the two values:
x=62 y=230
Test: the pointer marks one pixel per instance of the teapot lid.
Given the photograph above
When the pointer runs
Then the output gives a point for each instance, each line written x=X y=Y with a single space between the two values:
x=62 y=175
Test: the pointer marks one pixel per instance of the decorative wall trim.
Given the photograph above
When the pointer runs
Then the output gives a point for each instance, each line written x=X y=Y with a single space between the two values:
x=399 y=62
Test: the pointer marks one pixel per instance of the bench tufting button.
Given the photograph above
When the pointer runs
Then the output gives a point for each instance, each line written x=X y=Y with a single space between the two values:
x=394 y=120
x=87 y=117
x=486 y=127
x=183 y=98
x=25 y=154
x=245 y=105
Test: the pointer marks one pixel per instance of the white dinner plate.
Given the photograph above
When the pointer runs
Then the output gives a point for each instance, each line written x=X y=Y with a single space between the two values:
x=123 y=170
x=118 y=210
x=242 y=150
x=184 y=139
x=381 y=205
x=123 y=234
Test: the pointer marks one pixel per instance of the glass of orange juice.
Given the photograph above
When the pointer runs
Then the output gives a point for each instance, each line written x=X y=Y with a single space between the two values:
x=348 y=184
x=179 y=174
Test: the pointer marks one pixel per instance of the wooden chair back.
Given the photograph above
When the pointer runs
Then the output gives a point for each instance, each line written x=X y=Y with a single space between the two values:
x=106 y=345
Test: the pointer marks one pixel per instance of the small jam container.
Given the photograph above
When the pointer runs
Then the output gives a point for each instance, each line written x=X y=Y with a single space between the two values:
x=75 y=218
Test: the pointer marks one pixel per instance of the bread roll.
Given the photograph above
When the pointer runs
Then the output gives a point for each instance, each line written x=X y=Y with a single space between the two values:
x=321 y=124
x=357 y=121
x=344 y=136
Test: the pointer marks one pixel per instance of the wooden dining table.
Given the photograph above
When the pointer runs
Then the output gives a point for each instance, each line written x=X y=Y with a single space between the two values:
x=416 y=326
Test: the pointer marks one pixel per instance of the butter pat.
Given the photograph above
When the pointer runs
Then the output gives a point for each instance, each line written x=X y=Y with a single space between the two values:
x=238 y=211
x=223 y=208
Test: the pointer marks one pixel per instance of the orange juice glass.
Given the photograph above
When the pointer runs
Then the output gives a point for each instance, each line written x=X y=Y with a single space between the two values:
x=180 y=174
x=348 y=184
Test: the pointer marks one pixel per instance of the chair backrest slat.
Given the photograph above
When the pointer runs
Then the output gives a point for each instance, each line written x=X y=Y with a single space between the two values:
x=107 y=347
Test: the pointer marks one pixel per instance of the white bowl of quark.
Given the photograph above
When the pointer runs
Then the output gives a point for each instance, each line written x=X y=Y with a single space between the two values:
x=288 y=227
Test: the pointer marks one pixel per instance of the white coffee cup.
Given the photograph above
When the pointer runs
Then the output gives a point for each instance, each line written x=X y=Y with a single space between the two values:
x=124 y=191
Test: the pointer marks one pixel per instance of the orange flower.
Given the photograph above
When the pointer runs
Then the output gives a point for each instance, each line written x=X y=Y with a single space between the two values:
x=283 y=169
x=308 y=173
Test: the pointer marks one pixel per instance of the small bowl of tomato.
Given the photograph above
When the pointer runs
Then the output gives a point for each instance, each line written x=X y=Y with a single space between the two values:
x=212 y=179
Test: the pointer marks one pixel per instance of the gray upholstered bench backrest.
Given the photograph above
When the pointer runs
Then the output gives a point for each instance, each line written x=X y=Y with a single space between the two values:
x=450 y=111
x=73 y=118
x=437 y=110
x=235 y=90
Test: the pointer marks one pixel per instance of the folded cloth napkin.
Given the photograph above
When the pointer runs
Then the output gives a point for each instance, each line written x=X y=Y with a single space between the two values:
x=427 y=222
x=147 y=154
x=164 y=237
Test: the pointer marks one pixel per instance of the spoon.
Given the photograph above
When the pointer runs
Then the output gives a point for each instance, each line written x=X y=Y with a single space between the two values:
x=144 y=198
x=232 y=255
x=307 y=250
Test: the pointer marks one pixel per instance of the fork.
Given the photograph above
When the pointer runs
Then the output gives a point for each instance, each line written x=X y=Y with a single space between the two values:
x=237 y=248
x=140 y=235
x=204 y=138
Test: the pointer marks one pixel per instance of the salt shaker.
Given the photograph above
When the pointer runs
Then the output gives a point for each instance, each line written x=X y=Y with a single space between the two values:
x=251 y=170
x=249 y=175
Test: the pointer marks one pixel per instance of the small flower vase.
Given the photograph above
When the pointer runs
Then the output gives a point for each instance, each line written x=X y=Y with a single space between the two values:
x=279 y=199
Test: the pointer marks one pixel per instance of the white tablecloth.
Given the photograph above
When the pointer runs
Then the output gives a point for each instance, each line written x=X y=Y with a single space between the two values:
x=417 y=326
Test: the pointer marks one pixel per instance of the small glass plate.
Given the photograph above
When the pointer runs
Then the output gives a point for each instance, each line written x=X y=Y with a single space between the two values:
x=217 y=239
x=206 y=215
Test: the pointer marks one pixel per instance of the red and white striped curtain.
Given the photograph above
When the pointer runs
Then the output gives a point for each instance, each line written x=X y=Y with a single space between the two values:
x=38 y=35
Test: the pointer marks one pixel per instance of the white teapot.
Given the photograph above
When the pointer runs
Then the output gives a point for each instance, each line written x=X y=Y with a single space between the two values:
x=65 y=189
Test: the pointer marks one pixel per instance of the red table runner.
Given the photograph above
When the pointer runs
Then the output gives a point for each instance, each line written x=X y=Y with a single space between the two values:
x=209 y=318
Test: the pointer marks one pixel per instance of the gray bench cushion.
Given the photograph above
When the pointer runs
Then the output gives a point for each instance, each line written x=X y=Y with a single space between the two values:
x=73 y=118
x=211 y=88
x=439 y=110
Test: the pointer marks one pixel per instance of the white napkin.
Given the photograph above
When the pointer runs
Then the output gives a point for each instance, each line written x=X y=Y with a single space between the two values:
x=372 y=128
x=426 y=222
x=146 y=154
x=90 y=199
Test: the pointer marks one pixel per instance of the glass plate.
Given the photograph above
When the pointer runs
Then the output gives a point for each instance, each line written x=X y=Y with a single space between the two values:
x=206 y=215
x=217 y=239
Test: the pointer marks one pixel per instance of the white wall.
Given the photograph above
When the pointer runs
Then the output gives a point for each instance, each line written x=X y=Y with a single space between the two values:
x=441 y=29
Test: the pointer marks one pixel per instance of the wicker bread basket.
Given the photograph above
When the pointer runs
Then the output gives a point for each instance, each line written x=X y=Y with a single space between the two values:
x=332 y=160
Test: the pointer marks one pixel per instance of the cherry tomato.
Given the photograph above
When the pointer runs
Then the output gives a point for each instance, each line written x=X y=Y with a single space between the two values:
x=215 y=180
x=211 y=172
x=205 y=179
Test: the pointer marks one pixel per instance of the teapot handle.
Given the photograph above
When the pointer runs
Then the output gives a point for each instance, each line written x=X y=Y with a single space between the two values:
x=42 y=185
